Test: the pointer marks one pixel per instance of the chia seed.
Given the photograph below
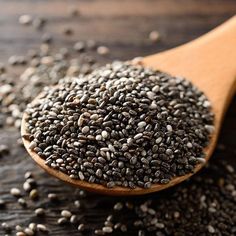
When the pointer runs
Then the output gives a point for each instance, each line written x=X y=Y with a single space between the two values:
x=27 y=187
x=134 y=128
x=53 y=197
x=81 y=227
x=66 y=214
x=22 y=202
x=102 y=50
x=39 y=212
x=20 y=234
x=42 y=228
x=15 y=192
x=2 y=203
x=25 y=19
x=107 y=229
x=29 y=232
x=73 y=219
x=62 y=221
x=154 y=36
x=6 y=227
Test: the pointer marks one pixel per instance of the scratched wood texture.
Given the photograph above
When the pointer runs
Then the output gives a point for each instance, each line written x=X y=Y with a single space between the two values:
x=123 y=26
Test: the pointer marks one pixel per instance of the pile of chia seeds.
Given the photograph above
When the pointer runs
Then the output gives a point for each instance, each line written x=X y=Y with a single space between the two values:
x=121 y=125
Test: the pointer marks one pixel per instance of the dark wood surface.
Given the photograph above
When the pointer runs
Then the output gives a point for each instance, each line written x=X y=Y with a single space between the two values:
x=123 y=26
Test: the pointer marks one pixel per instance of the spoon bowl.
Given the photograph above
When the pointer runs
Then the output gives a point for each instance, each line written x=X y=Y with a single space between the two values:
x=209 y=63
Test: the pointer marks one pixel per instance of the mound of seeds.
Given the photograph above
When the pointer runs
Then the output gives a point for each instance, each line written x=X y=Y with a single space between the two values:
x=121 y=125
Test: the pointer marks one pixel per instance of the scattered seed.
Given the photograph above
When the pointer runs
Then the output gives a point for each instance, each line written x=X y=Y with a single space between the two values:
x=118 y=206
x=42 y=228
x=2 y=203
x=107 y=229
x=73 y=219
x=32 y=182
x=34 y=194
x=82 y=193
x=99 y=232
x=102 y=50
x=77 y=204
x=66 y=213
x=4 y=149
x=81 y=227
x=79 y=46
x=6 y=227
x=28 y=175
x=19 y=228
x=15 y=192
x=25 y=19
x=29 y=232
x=22 y=202
x=33 y=226
x=62 y=221
x=20 y=234
x=53 y=196
x=27 y=187
x=39 y=212
x=154 y=36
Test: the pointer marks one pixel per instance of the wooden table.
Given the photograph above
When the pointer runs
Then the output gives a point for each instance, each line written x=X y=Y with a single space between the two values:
x=123 y=26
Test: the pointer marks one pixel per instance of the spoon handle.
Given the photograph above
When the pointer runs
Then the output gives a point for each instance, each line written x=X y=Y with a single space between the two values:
x=209 y=62
x=215 y=52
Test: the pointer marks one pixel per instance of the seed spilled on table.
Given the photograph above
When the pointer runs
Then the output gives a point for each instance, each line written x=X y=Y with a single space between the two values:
x=208 y=196
x=121 y=125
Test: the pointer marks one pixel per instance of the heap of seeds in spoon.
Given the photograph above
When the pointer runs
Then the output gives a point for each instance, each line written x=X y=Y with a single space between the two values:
x=121 y=125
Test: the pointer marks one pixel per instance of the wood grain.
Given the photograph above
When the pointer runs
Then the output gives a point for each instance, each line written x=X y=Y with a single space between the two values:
x=124 y=27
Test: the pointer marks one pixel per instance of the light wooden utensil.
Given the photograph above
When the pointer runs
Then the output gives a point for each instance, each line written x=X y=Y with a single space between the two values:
x=209 y=62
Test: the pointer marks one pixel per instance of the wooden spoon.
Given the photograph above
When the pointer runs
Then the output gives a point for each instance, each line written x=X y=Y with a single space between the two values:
x=210 y=63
